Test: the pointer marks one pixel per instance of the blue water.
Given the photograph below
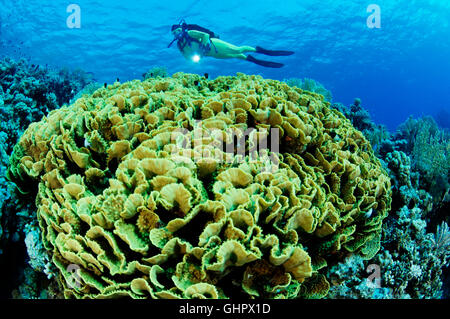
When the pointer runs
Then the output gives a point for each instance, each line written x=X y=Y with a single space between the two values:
x=400 y=69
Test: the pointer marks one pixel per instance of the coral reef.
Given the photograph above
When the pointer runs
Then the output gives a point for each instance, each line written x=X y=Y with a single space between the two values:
x=27 y=93
x=311 y=86
x=38 y=256
x=89 y=89
x=5 y=190
x=414 y=254
x=428 y=146
x=360 y=118
x=157 y=71
x=411 y=262
x=33 y=285
x=206 y=237
x=443 y=118
x=142 y=188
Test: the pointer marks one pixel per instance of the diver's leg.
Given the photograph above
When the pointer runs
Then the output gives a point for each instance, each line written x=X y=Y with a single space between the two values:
x=273 y=52
x=224 y=50
x=246 y=48
x=250 y=58
x=241 y=56
x=267 y=64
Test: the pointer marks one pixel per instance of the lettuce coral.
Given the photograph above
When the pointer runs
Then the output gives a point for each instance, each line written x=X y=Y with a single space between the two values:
x=142 y=187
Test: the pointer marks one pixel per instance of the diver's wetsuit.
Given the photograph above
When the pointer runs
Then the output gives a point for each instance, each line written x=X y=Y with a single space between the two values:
x=194 y=40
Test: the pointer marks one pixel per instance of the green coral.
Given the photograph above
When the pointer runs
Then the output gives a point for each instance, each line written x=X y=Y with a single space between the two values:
x=310 y=85
x=361 y=120
x=27 y=93
x=412 y=259
x=149 y=202
x=157 y=71
x=411 y=263
x=429 y=147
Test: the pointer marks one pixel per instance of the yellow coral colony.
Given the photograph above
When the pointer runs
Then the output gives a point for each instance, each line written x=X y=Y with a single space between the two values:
x=134 y=188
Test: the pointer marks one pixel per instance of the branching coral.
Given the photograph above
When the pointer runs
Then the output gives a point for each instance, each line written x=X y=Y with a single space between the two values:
x=142 y=186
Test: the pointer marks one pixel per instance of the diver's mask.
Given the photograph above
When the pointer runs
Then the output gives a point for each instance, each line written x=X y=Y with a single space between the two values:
x=178 y=30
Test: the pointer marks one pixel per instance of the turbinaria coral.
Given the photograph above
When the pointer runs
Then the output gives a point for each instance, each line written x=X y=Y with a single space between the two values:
x=159 y=205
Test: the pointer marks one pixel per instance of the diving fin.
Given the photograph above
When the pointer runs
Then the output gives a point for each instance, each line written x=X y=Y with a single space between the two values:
x=273 y=52
x=267 y=64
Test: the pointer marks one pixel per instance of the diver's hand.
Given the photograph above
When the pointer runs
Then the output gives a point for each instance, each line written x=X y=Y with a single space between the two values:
x=202 y=37
x=205 y=41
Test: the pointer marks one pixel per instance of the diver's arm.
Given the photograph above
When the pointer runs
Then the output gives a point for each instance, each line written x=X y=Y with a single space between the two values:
x=201 y=36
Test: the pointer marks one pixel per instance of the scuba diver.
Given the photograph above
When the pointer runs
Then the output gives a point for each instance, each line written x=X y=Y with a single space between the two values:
x=194 y=42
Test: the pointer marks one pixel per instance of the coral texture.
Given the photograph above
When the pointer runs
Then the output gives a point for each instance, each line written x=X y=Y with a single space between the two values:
x=27 y=93
x=310 y=85
x=142 y=188
x=413 y=261
x=361 y=120
x=429 y=149
x=156 y=71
